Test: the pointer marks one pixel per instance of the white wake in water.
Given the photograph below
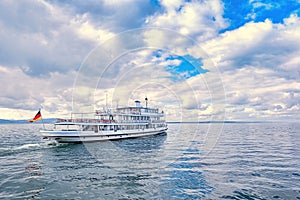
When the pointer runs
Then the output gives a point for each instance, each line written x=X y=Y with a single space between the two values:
x=26 y=146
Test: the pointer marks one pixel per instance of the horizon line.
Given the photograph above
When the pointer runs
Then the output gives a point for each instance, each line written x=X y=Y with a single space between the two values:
x=7 y=121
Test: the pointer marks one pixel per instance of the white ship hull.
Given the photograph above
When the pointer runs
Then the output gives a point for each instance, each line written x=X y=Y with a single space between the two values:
x=109 y=124
x=91 y=136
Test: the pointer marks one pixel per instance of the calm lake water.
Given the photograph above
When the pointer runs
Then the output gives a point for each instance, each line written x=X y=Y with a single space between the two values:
x=244 y=161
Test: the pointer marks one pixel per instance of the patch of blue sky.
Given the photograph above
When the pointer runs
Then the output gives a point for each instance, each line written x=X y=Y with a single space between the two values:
x=155 y=2
x=188 y=67
x=157 y=5
x=157 y=53
x=239 y=12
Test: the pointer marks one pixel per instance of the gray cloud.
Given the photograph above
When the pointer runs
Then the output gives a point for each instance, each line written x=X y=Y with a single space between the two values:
x=39 y=38
x=114 y=15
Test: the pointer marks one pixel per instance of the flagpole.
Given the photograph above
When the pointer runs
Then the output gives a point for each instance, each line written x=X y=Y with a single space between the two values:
x=42 y=119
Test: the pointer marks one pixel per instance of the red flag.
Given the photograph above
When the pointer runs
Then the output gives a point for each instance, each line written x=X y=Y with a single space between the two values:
x=37 y=117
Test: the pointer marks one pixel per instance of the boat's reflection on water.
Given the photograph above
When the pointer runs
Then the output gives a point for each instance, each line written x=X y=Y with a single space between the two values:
x=127 y=151
x=142 y=145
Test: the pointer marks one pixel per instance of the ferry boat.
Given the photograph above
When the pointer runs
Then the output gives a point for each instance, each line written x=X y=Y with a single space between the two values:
x=108 y=124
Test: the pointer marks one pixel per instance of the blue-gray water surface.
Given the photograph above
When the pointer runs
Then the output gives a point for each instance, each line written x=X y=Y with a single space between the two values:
x=246 y=161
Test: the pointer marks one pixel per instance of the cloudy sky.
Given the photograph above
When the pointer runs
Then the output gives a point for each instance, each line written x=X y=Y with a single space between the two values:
x=197 y=60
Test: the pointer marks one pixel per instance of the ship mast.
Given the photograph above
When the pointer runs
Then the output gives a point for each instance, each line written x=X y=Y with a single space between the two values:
x=146 y=99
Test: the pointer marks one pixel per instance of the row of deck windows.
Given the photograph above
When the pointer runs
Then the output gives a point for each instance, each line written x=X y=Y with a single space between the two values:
x=137 y=110
x=134 y=117
x=97 y=128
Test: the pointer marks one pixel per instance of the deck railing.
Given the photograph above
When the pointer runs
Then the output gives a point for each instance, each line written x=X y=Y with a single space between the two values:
x=85 y=121
x=82 y=120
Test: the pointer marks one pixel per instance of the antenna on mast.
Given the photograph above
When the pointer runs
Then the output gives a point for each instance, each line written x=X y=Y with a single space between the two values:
x=146 y=99
x=106 y=108
x=106 y=99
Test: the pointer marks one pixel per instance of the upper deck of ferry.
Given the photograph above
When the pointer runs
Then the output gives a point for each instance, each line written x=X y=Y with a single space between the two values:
x=121 y=115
